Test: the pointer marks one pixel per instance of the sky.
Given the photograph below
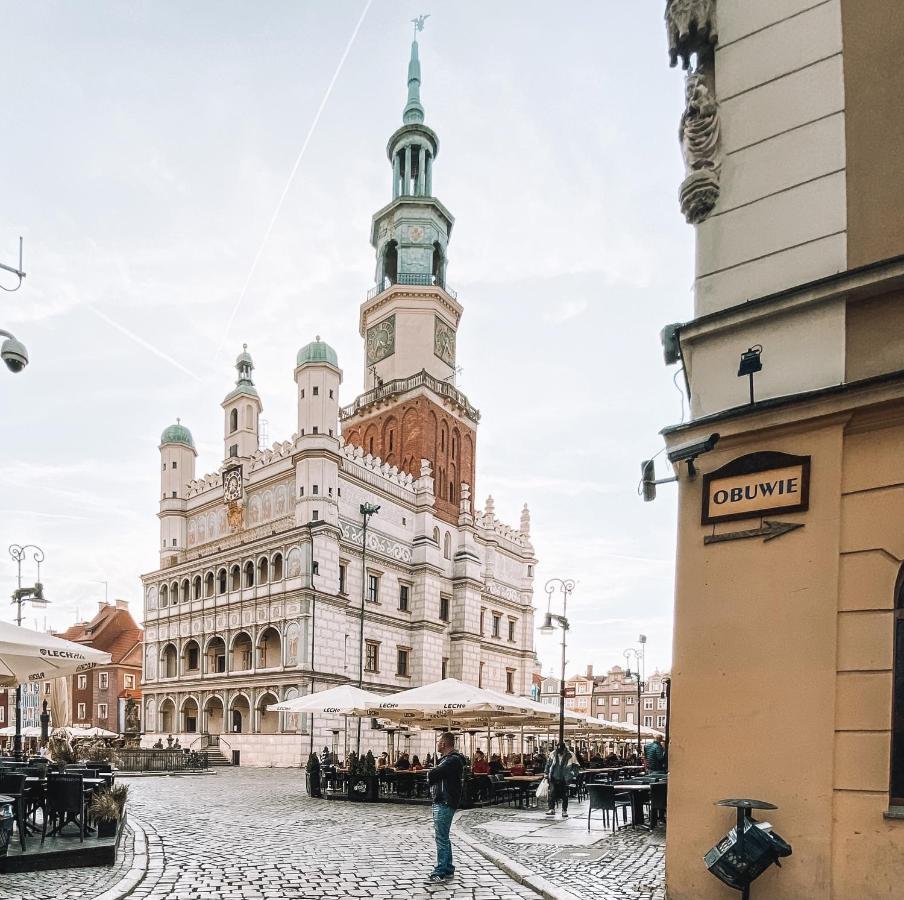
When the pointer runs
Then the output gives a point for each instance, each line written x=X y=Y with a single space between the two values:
x=149 y=153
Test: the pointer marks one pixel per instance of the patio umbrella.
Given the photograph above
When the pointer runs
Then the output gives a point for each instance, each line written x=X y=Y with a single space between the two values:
x=345 y=700
x=59 y=702
x=30 y=731
x=77 y=731
x=27 y=656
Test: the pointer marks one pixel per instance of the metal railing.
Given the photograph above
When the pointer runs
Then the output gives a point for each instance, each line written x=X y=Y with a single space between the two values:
x=398 y=386
x=150 y=760
x=413 y=278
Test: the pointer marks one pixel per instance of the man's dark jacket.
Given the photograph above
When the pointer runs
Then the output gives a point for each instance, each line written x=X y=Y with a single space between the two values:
x=445 y=780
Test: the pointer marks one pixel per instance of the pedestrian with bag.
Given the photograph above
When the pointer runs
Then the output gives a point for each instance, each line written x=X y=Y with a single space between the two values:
x=561 y=769
x=445 y=780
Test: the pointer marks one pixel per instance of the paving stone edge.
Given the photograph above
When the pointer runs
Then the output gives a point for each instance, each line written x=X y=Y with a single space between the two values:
x=543 y=886
x=137 y=870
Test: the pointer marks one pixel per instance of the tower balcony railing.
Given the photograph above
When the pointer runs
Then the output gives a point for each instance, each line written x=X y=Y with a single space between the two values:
x=416 y=278
x=394 y=388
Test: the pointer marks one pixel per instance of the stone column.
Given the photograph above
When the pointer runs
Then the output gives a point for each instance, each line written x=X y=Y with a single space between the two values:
x=428 y=186
x=408 y=186
x=396 y=175
x=421 y=171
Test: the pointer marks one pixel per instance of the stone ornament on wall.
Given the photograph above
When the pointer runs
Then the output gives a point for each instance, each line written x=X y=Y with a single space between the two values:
x=381 y=340
x=692 y=30
x=443 y=341
x=354 y=533
x=700 y=135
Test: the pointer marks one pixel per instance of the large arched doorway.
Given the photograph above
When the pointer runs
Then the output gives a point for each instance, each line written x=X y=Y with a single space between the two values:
x=191 y=658
x=213 y=715
x=240 y=715
x=167 y=716
x=269 y=649
x=215 y=655
x=268 y=720
x=241 y=660
x=169 y=662
x=189 y=715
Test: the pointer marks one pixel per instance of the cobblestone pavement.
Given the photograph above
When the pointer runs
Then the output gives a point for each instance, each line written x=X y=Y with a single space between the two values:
x=599 y=865
x=69 y=884
x=252 y=833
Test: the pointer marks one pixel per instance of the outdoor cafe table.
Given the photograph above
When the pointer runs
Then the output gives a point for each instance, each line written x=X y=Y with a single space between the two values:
x=639 y=792
x=523 y=784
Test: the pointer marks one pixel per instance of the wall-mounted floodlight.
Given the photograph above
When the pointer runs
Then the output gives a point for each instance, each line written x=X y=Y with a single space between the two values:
x=648 y=480
x=750 y=364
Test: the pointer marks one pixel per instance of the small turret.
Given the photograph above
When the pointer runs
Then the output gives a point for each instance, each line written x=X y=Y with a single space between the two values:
x=177 y=457
x=525 y=521
x=241 y=411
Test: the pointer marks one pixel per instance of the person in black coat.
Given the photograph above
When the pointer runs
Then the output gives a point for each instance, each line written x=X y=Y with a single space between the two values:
x=445 y=780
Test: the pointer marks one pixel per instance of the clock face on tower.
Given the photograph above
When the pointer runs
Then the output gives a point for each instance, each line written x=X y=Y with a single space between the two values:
x=232 y=484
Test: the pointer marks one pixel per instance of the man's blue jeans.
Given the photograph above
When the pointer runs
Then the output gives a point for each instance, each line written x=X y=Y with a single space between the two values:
x=442 y=822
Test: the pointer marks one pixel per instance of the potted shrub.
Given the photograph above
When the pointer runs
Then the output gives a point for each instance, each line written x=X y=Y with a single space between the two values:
x=107 y=809
x=61 y=753
x=312 y=776
x=363 y=782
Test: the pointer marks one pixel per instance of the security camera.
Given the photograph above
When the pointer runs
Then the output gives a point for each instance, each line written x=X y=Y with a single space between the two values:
x=689 y=453
x=14 y=354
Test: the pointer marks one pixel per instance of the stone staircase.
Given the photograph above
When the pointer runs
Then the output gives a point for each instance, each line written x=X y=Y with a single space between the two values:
x=218 y=754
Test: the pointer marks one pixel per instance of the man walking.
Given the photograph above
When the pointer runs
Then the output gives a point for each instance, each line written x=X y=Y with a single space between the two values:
x=654 y=755
x=445 y=790
x=561 y=769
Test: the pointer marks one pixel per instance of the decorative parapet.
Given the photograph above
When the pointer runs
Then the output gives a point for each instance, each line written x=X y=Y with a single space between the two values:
x=280 y=450
x=205 y=483
x=692 y=30
x=487 y=522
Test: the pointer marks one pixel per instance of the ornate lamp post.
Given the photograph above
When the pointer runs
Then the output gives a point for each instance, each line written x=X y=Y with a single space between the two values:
x=367 y=510
x=35 y=594
x=566 y=586
x=638 y=659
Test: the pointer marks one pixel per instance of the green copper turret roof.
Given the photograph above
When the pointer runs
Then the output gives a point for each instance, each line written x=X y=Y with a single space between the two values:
x=414 y=111
x=177 y=434
x=317 y=351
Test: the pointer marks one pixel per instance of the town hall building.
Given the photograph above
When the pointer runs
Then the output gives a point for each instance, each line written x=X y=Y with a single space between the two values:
x=262 y=579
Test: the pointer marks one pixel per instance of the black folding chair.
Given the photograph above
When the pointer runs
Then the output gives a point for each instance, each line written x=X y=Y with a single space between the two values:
x=658 y=802
x=13 y=785
x=67 y=802
x=608 y=799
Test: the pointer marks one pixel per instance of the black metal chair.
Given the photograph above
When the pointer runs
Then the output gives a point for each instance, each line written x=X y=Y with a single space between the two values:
x=67 y=802
x=13 y=785
x=608 y=799
x=658 y=802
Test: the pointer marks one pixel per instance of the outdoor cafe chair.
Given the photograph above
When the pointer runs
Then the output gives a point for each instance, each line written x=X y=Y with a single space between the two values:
x=66 y=802
x=608 y=799
x=13 y=785
x=658 y=801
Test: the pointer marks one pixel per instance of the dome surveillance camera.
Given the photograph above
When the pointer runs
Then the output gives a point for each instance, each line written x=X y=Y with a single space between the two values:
x=14 y=354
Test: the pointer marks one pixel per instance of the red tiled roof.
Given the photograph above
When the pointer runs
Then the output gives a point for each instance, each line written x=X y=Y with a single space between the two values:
x=112 y=629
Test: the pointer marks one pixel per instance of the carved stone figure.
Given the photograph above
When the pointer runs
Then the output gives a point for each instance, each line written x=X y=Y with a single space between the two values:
x=235 y=515
x=700 y=136
x=133 y=724
x=692 y=29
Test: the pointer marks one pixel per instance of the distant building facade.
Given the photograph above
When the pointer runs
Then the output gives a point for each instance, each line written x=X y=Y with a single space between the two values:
x=98 y=698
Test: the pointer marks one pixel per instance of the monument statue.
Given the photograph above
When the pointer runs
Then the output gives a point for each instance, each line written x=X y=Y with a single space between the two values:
x=700 y=136
x=133 y=722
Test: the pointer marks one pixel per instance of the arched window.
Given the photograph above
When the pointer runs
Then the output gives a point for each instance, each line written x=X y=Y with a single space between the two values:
x=164 y=596
x=249 y=574
x=391 y=262
x=436 y=536
x=233 y=421
x=447 y=546
x=196 y=588
x=438 y=264
x=221 y=581
x=263 y=570
x=186 y=590
x=174 y=593
x=236 y=578
x=897 y=720
x=208 y=584
x=277 y=567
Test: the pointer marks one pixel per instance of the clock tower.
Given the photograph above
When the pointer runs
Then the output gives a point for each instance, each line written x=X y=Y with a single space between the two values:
x=410 y=409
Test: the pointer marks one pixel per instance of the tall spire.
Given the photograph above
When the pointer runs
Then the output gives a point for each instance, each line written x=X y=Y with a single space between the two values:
x=414 y=112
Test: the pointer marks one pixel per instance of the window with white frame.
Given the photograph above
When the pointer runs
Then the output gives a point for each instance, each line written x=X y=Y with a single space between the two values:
x=614 y=717
x=82 y=683
x=103 y=680
x=660 y=721
x=629 y=718
x=402 y=654
x=616 y=701
x=601 y=701
x=647 y=702
x=373 y=587
x=128 y=681
x=80 y=711
x=647 y=721
x=497 y=619
x=660 y=703
x=101 y=710
x=2 y=714
x=510 y=681
x=629 y=701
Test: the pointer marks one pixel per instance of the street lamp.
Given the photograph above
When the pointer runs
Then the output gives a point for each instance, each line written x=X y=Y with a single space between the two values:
x=638 y=658
x=566 y=586
x=666 y=695
x=367 y=510
x=35 y=595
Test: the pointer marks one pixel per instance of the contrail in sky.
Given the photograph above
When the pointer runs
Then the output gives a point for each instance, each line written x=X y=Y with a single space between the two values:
x=291 y=177
x=140 y=340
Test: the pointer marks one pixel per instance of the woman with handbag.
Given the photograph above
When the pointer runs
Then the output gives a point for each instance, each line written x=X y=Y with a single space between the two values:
x=561 y=769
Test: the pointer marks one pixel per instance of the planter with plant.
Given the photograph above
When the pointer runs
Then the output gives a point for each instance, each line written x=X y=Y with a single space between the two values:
x=312 y=776
x=108 y=809
x=363 y=783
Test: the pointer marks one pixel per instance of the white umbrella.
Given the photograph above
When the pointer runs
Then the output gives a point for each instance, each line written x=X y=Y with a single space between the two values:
x=345 y=700
x=59 y=702
x=28 y=656
x=30 y=731
x=86 y=731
